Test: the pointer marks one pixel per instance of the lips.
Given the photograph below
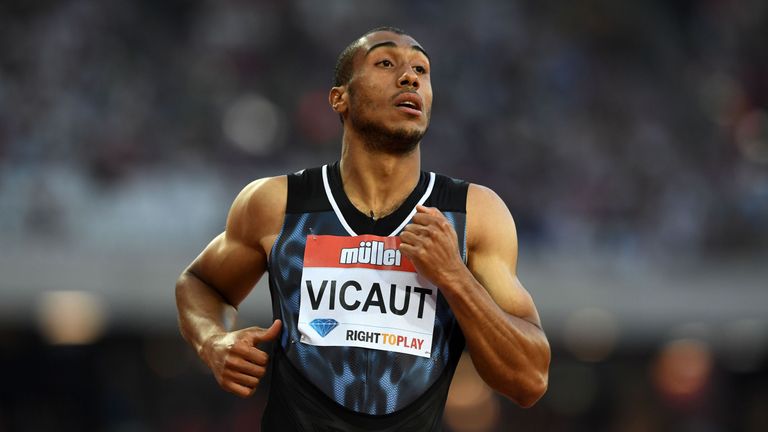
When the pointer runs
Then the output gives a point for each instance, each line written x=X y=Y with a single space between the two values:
x=409 y=102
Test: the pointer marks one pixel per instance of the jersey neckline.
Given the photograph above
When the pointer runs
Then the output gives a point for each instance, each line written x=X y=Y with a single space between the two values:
x=357 y=223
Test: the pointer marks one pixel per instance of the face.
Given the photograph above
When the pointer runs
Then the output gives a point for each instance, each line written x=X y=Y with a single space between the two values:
x=388 y=100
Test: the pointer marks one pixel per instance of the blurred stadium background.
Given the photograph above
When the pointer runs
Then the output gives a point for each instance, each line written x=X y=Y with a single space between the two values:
x=629 y=139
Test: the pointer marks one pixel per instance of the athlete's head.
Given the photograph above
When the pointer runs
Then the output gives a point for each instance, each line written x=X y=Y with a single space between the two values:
x=382 y=90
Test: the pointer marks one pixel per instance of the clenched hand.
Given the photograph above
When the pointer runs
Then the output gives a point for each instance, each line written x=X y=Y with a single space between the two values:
x=235 y=359
x=430 y=242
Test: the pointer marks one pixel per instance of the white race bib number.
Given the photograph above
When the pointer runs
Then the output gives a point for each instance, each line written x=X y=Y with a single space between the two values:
x=362 y=292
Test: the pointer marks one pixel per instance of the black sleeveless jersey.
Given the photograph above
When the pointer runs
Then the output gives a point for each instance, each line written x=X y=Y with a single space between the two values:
x=341 y=388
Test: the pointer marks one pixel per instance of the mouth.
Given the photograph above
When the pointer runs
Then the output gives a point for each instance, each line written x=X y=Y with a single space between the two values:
x=409 y=102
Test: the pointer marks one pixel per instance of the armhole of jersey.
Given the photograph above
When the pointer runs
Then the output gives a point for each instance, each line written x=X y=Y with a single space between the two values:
x=450 y=195
x=302 y=196
x=293 y=189
x=282 y=225
x=305 y=192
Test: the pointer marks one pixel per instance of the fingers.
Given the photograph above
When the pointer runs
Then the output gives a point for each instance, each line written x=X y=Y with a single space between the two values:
x=417 y=230
x=242 y=379
x=238 y=364
x=430 y=242
x=427 y=226
x=428 y=210
x=249 y=353
x=412 y=243
x=424 y=219
x=428 y=216
x=247 y=366
x=240 y=376
x=409 y=250
x=239 y=389
x=243 y=369
x=415 y=246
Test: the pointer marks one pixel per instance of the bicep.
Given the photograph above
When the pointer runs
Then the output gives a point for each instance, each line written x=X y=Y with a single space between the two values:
x=236 y=259
x=229 y=266
x=492 y=258
x=504 y=287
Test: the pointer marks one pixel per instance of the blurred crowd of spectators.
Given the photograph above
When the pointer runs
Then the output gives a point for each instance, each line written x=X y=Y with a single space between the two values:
x=639 y=127
x=632 y=125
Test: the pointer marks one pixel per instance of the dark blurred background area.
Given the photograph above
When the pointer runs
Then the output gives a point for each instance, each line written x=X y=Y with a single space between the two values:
x=628 y=138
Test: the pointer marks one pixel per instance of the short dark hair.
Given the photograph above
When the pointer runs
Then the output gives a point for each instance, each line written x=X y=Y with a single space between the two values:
x=343 y=69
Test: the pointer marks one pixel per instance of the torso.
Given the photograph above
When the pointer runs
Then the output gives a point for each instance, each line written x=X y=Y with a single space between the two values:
x=399 y=381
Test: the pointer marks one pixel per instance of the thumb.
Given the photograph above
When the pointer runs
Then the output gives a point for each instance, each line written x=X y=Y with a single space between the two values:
x=269 y=334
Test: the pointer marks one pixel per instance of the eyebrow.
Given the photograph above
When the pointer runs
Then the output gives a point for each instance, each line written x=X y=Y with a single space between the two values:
x=390 y=44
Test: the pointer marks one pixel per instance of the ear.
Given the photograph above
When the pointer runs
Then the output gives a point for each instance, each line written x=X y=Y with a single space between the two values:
x=337 y=98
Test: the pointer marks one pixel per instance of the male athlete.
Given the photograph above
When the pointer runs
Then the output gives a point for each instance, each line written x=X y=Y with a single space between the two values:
x=380 y=273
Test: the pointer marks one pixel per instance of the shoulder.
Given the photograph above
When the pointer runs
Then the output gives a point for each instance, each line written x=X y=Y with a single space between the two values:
x=488 y=218
x=479 y=196
x=258 y=209
x=262 y=194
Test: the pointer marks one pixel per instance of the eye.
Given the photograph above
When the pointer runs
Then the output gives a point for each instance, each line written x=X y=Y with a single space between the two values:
x=386 y=63
x=420 y=70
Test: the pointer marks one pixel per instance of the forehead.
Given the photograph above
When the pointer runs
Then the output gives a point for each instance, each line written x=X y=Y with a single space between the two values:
x=386 y=36
x=388 y=39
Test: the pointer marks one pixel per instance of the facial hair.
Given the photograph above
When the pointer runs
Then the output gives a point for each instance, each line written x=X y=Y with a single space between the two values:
x=380 y=139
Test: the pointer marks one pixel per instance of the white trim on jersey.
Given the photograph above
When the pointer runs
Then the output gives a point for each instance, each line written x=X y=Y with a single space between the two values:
x=333 y=202
x=343 y=221
x=421 y=201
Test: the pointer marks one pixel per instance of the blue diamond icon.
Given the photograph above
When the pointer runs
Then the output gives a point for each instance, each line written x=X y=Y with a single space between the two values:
x=323 y=326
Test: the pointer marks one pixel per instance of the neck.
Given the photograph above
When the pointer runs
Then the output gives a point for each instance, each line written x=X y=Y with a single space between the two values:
x=375 y=182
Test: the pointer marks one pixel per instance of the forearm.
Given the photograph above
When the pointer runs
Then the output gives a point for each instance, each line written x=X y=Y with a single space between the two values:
x=203 y=312
x=511 y=354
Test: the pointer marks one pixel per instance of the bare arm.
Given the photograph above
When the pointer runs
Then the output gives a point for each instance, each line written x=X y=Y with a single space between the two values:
x=210 y=289
x=496 y=313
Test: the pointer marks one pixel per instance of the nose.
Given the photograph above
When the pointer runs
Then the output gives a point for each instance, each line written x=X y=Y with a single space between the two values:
x=409 y=79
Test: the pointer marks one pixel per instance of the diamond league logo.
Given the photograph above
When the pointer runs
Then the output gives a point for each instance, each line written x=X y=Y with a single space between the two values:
x=323 y=326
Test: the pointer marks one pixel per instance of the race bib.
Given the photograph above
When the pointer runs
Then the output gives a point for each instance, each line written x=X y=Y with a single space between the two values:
x=362 y=292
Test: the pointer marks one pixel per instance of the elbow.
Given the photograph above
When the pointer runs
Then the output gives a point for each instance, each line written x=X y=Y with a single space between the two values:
x=525 y=391
x=531 y=391
x=181 y=284
x=526 y=387
x=184 y=280
x=187 y=288
x=535 y=383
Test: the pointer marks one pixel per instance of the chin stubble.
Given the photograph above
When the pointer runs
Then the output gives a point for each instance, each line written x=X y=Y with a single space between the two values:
x=380 y=139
